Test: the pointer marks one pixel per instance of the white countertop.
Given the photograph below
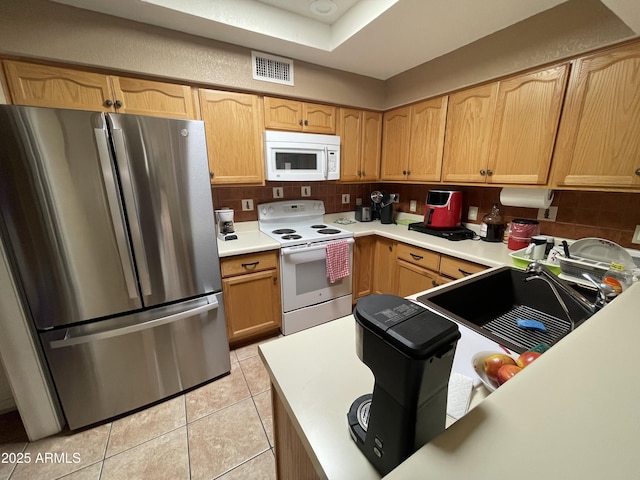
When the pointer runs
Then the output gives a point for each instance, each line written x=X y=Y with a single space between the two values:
x=251 y=240
x=571 y=414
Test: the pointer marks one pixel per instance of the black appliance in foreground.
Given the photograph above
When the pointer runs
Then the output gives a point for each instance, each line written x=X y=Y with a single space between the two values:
x=410 y=351
x=455 y=233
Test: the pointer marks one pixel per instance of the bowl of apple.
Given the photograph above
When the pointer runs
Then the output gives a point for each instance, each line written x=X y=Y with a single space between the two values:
x=496 y=368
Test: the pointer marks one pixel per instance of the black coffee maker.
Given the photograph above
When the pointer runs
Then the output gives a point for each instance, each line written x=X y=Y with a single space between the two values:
x=410 y=351
x=382 y=206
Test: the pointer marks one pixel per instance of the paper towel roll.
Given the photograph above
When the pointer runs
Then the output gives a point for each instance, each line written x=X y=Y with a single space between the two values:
x=526 y=197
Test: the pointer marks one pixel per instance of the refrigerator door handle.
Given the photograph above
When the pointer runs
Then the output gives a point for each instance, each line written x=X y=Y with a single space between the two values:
x=134 y=224
x=114 y=210
x=68 y=341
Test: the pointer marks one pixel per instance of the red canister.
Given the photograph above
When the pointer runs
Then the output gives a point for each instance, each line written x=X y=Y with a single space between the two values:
x=521 y=231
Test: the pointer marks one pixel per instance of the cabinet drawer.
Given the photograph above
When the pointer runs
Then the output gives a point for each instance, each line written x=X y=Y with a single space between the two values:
x=419 y=256
x=254 y=262
x=456 y=268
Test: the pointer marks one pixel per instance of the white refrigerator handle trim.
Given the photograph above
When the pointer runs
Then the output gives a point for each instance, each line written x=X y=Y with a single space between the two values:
x=70 y=341
x=134 y=224
x=114 y=209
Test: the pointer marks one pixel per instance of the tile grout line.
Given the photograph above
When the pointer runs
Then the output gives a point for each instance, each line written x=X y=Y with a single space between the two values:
x=186 y=420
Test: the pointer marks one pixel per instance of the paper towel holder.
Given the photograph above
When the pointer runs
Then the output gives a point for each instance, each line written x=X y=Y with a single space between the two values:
x=526 y=197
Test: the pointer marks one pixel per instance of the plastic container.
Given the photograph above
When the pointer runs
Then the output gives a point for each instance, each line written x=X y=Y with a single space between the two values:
x=492 y=228
x=618 y=277
x=521 y=231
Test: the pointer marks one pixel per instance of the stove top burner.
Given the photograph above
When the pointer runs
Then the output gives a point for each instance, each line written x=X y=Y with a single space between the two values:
x=318 y=226
x=284 y=231
x=328 y=231
x=291 y=237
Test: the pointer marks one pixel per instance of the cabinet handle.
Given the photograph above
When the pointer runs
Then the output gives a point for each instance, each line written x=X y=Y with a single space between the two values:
x=306 y=123
x=416 y=257
x=108 y=103
x=638 y=172
x=408 y=172
x=359 y=173
x=390 y=248
x=118 y=104
x=252 y=264
x=300 y=122
x=489 y=173
x=275 y=280
x=463 y=272
x=434 y=283
x=483 y=172
x=211 y=174
x=404 y=172
x=364 y=174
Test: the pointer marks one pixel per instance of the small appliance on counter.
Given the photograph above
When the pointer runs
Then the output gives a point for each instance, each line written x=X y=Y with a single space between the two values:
x=363 y=214
x=382 y=206
x=443 y=209
x=224 y=223
x=410 y=351
x=521 y=231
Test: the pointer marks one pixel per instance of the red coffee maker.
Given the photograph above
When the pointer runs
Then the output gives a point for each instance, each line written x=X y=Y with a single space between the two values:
x=443 y=209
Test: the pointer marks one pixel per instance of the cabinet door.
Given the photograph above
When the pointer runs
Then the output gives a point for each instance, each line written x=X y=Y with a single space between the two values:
x=599 y=137
x=525 y=126
x=413 y=279
x=282 y=114
x=252 y=304
x=46 y=86
x=350 y=131
x=363 y=266
x=428 y=120
x=468 y=134
x=385 y=265
x=395 y=144
x=233 y=124
x=157 y=99
x=371 y=145
x=318 y=118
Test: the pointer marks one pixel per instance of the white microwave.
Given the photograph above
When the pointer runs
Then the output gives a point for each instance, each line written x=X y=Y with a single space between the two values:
x=291 y=156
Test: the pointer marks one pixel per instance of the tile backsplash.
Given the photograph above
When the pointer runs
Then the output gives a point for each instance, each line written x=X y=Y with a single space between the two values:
x=609 y=215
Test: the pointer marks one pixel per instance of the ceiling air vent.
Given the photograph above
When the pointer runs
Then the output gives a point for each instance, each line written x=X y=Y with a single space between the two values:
x=270 y=68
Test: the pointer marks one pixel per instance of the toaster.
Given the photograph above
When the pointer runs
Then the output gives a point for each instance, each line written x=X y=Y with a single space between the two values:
x=363 y=214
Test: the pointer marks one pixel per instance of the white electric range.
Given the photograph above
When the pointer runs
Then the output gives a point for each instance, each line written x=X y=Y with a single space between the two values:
x=308 y=297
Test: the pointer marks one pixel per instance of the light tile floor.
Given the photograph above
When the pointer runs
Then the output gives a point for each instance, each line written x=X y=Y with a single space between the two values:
x=222 y=430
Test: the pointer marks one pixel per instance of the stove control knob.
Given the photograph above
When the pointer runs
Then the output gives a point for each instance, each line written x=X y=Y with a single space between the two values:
x=263 y=211
x=271 y=210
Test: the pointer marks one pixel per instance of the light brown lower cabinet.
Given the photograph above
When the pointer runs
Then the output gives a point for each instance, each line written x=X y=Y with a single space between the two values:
x=455 y=268
x=363 y=266
x=292 y=460
x=251 y=290
x=385 y=266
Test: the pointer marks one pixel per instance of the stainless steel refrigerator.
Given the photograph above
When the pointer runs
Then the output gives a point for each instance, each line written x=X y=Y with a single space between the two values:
x=109 y=222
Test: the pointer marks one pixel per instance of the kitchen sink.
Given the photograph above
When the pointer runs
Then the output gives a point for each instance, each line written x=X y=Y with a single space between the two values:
x=491 y=304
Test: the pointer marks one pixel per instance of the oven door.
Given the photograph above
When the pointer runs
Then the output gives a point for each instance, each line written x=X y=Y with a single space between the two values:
x=304 y=276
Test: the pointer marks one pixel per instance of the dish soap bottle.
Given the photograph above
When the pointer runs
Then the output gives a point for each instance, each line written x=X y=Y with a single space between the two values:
x=618 y=278
x=492 y=228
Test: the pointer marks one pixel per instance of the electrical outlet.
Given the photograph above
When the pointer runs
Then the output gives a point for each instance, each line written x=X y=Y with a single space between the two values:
x=548 y=214
x=305 y=191
x=346 y=198
x=247 y=204
x=473 y=213
x=636 y=235
x=413 y=206
x=358 y=201
x=277 y=192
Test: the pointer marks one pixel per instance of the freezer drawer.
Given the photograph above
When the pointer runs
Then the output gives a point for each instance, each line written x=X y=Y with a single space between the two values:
x=111 y=367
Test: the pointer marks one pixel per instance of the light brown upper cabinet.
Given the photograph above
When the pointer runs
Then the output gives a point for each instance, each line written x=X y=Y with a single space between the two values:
x=48 y=86
x=233 y=124
x=525 y=125
x=413 y=140
x=599 y=137
x=281 y=114
x=360 y=141
x=467 y=137
x=504 y=132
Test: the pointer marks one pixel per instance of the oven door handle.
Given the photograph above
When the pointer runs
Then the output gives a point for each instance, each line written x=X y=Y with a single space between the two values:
x=310 y=248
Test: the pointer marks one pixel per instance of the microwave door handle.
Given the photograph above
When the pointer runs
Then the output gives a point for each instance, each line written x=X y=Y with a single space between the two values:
x=114 y=210
x=326 y=162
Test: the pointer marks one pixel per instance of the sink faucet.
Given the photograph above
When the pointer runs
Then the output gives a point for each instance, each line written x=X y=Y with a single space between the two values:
x=541 y=272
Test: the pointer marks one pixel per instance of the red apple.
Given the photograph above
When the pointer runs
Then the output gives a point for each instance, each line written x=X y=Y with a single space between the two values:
x=526 y=358
x=493 y=362
x=505 y=372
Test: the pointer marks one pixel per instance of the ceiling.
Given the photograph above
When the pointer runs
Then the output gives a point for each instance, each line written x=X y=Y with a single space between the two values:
x=376 y=38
